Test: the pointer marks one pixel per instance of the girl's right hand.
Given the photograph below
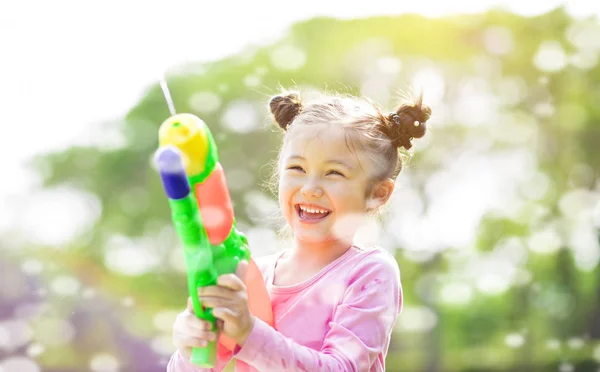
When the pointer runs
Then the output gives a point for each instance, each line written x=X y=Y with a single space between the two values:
x=189 y=331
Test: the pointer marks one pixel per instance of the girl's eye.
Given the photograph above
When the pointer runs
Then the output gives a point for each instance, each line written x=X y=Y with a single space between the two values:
x=296 y=167
x=335 y=172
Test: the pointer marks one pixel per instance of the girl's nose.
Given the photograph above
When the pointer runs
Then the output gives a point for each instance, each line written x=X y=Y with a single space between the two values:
x=312 y=190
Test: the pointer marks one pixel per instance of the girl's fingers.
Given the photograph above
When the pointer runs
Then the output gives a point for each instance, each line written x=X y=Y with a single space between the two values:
x=219 y=325
x=225 y=314
x=193 y=342
x=194 y=321
x=242 y=270
x=216 y=291
x=199 y=326
x=215 y=302
x=231 y=281
x=198 y=340
x=195 y=324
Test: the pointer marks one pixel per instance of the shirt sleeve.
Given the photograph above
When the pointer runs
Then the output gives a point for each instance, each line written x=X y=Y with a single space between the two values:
x=360 y=328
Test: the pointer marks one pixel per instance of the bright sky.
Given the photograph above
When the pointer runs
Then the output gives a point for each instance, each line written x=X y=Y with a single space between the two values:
x=67 y=66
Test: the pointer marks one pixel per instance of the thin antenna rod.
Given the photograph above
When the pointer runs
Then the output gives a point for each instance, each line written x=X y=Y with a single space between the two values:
x=167 y=94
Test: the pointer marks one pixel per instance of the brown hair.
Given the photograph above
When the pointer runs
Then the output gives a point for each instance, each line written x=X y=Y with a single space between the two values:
x=381 y=135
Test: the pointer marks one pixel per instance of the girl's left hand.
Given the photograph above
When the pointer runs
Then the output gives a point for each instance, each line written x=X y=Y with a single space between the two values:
x=229 y=301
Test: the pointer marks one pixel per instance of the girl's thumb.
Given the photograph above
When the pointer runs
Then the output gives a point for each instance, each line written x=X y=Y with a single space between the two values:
x=242 y=269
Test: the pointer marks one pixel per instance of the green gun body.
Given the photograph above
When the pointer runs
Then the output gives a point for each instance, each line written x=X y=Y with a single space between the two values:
x=202 y=213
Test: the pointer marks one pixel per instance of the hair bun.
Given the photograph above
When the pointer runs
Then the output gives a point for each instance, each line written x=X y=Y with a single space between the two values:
x=409 y=122
x=285 y=107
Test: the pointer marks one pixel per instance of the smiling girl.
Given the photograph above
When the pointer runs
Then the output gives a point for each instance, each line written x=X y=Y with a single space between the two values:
x=334 y=303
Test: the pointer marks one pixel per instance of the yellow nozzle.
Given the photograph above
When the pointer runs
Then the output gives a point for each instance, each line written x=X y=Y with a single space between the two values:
x=186 y=132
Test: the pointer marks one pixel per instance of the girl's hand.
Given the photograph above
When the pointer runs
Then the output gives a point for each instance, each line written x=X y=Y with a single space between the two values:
x=190 y=331
x=229 y=301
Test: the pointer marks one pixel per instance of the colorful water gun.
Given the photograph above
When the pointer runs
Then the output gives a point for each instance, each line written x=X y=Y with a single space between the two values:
x=202 y=212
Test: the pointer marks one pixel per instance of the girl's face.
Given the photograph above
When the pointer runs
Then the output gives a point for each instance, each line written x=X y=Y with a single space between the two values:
x=323 y=183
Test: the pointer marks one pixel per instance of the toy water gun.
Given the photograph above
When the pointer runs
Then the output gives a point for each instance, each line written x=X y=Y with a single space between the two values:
x=202 y=212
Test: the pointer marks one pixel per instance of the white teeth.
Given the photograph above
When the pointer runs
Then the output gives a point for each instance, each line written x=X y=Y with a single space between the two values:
x=312 y=210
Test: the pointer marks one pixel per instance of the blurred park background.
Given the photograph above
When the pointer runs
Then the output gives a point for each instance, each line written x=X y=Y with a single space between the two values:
x=495 y=221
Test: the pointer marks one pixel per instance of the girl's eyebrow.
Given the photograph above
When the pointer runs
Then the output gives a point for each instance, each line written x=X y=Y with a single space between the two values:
x=330 y=161
x=340 y=162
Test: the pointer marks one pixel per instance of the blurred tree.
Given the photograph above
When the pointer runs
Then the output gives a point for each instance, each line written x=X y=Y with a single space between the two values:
x=509 y=84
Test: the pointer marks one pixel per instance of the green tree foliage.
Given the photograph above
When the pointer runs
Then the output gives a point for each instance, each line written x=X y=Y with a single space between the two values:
x=512 y=95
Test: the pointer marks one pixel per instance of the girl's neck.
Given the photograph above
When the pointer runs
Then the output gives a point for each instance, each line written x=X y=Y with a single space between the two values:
x=321 y=253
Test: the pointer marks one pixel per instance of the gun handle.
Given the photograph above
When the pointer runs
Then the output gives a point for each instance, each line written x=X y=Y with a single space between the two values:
x=205 y=357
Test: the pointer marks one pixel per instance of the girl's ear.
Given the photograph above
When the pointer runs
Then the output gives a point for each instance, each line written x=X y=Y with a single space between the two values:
x=380 y=194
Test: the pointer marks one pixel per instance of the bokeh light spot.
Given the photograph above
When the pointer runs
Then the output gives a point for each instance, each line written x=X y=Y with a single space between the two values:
x=261 y=240
x=32 y=266
x=544 y=241
x=240 y=116
x=456 y=293
x=53 y=331
x=514 y=340
x=14 y=333
x=252 y=81
x=163 y=344
x=164 y=320
x=596 y=353
x=288 y=57
x=65 y=285
x=584 y=59
x=498 y=40
x=205 y=102
x=346 y=226
x=553 y=344
x=130 y=257
x=390 y=66
x=584 y=35
x=239 y=179
x=34 y=350
x=18 y=364
x=575 y=343
x=550 y=57
x=416 y=319
x=128 y=301
x=71 y=211
x=566 y=367
x=104 y=362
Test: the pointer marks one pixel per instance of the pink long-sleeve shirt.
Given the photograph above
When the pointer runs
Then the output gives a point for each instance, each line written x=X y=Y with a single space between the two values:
x=339 y=320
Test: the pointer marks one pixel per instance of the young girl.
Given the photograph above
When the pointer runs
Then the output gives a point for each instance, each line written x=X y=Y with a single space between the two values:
x=334 y=303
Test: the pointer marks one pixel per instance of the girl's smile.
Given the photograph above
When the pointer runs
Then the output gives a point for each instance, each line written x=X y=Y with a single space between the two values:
x=311 y=213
